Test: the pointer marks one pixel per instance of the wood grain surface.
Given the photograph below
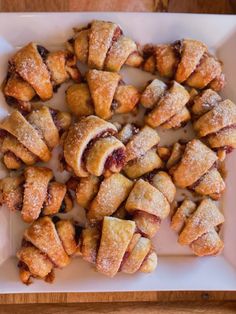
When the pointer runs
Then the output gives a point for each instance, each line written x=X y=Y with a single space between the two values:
x=135 y=302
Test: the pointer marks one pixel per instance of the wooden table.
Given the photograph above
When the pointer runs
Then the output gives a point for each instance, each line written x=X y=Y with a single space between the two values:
x=136 y=302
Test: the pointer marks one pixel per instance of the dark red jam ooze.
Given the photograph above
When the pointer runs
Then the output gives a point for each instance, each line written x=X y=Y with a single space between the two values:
x=116 y=159
x=55 y=219
x=71 y=41
x=43 y=52
x=92 y=142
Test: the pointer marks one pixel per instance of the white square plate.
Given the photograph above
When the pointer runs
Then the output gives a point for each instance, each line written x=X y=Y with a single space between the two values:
x=177 y=269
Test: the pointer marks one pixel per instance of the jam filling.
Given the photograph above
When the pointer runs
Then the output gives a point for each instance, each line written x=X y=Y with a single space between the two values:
x=93 y=141
x=117 y=33
x=72 y=183
x=116 y=159
x=43 y=52
x=63 y=207
x=78 y=231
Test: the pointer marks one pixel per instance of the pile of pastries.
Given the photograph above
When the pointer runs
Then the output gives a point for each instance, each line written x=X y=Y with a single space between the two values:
x=119 y=173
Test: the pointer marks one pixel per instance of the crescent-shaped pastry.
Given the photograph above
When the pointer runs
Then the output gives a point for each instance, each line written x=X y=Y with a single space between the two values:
x=195 y=170
x=118 y=247
x=35 y=193
x=31 y=138
x=198 y=226
x=45 y=246
x=142 y=156
x=33 y=70
x=112 y=192
x=105 y=94
x=90 y=148
x=187 y=61
x=149 y=203
x=103 y=46
x=215 y=120
x=168 y=105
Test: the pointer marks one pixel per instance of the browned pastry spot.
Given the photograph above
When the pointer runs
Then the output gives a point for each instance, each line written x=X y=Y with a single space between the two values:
x=45 y=246
x=34 y=193
x=31 y=138
x=198 y=226
x=117 y=247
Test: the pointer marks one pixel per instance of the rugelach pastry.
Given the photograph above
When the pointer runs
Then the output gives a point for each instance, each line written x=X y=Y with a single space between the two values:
x=166 y=104
x=194 y=166
x=141 y=150
x=104 y=93
x=186 y=61
x=117 y=247
x=215 y=120
x=149 y=202
x=103 y=46
x=34 y=72
x=90 y=147
x=198 y=226
x=101 y=197
x=47 y=244
x=28 y=139
x=35 y=193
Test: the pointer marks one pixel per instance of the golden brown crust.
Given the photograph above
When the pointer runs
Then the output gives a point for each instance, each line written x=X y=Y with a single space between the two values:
x=38 y=264
x=144 y=164
x=90 y=244
x=208 y=69
x=152 y=93
x=80 y=137
x=220 y=116
x=32 y=137
x=56 y=193
x=45 y=247
x=100 y=40
x=43 y=235
x=28 y=63
x=62 y=66
x=196 y=161
x=197 y=226
x=104 y=94
x=116 y=235
x=79 y=100
x=25 y=133
x=81 y=44
x=136 y=256
x=162 y=181
x=86 y=190
x=165 y=60
x=141 y=142
x=185 y=61
x=147 y=198
x=102 y=45
x=191 y=54
x=112 y=192
x=126 y=98
x=178 y=120
x=119 y=53
x=34 y=71
x=117 y=247
x=170 y=104
x=102 y=86
x=33 y=193
x=211 y=184
x=17 y=88
x=66 y=232
x=205 y=102
x=216 y=120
